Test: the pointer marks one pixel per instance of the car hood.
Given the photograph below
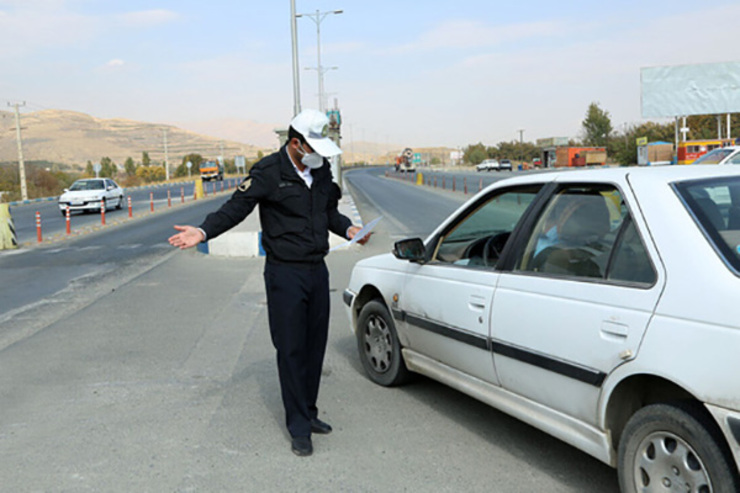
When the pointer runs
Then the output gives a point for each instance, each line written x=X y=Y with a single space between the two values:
x=82 y=195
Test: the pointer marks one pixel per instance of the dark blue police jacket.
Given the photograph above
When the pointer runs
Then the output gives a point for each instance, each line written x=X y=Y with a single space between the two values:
x=295 y=220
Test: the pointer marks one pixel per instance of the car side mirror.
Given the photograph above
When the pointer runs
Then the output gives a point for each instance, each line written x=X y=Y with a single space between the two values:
x=411 y=249
x=66 y=190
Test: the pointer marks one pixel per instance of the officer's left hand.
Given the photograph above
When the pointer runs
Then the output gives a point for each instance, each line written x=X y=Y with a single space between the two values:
x=353 y=230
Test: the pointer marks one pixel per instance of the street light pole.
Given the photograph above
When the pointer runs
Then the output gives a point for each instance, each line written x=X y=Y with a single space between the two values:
x=521 y=146
x=317 y=18
x=296 y=77
x=322 y=94
x=19 y=141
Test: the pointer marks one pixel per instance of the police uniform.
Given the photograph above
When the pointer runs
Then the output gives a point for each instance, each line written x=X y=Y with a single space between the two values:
x=296 y=221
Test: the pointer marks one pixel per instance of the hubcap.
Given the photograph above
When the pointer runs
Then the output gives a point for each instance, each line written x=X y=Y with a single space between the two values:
x=376 y=339
x=665 y=462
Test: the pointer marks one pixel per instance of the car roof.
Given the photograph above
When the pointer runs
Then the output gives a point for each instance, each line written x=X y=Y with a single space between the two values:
x=656 y=174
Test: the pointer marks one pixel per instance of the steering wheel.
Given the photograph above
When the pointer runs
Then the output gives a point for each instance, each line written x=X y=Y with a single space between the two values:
x=494 y=244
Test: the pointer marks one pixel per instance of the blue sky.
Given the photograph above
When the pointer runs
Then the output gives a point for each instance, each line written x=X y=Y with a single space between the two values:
x=431 y=73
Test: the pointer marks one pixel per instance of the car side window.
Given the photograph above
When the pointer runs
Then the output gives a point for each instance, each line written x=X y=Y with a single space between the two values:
x=576 y=233
x=631 y=262
x=479 y=237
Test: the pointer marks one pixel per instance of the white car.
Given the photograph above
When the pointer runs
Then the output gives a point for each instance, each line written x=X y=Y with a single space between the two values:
x=89 y=194
x=600 y=306
x=721 y=155
x=488 y=165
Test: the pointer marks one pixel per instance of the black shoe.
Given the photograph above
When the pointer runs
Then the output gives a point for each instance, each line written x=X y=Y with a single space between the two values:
x=318 y=426
x=302 y=446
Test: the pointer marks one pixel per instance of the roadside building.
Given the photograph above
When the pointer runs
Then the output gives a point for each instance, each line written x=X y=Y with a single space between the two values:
x=654 y=153
x=557 y=153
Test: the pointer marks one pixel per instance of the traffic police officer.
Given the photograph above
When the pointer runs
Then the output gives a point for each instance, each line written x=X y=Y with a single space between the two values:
x=298 y=207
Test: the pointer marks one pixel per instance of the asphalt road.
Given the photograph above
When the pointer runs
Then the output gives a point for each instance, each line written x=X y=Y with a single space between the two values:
x=54 y=224
x=161 y=377
x=35 y=278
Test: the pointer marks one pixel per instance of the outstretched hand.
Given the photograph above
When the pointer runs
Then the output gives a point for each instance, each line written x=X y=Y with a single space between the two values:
x=187 y=237
x=353 y=230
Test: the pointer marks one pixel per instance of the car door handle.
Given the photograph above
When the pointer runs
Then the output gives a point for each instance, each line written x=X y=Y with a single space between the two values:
x=614 y=330
x=477 y=303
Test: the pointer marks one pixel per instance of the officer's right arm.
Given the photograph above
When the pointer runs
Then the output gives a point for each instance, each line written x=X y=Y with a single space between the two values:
x=241 y=203
x=187 y=237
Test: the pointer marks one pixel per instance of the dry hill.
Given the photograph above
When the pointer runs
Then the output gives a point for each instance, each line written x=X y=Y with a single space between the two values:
x=73 y=138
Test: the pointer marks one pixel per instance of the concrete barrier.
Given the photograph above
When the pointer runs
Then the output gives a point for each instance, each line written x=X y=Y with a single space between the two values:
x=8 y=238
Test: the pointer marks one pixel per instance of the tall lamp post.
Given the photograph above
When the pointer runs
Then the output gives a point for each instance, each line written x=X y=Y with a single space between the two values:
x=521 y=147
x=322 y=95
x=296 y=78
x=317 y=18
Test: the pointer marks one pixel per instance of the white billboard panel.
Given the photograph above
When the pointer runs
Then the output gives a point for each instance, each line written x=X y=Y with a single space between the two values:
x=683 y=90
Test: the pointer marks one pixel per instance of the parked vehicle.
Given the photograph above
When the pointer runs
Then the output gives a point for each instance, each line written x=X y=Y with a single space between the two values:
x=89 y=195
x=488 y=165
x=597 y=305
x=504 y=164
x=721 y=155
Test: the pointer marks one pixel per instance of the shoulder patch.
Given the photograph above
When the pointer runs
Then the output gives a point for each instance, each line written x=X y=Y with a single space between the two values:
x=243 y=185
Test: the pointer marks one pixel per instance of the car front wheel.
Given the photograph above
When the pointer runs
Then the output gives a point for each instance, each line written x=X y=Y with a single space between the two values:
x=119 y=205
x=378 y=346
x=674 y=448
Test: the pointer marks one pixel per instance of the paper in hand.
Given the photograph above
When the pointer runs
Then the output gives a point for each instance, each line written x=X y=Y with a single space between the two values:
x=360 y=234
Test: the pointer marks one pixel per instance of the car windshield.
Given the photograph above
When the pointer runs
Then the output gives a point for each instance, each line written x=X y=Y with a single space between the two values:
x=715 y=156
x=715 y=205
x=87 y=185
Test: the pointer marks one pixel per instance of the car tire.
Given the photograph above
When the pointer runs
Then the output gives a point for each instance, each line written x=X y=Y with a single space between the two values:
x=378 y=346
x=119 y=205
x=665 y=445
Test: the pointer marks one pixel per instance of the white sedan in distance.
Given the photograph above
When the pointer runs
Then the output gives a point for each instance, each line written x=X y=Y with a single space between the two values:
x=488 y=165
x=88 y=195
x=600 y=306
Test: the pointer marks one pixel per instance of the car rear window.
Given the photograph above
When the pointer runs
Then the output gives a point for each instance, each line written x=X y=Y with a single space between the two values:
x=715 y=206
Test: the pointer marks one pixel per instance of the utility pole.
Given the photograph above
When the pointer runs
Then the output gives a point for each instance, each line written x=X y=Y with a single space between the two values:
x=296 y=77
x=21 y=164
x=166 y=156
x=521 y=146
x=317 y=18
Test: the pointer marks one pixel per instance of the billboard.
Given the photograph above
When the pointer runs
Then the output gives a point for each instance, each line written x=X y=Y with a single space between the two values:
x=683 y=90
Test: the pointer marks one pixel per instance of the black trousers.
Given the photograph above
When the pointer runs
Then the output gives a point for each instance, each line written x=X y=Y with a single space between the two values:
x=298 y=312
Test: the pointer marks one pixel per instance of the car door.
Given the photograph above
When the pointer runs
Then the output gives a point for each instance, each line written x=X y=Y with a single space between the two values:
x=577 y=300
x=445 y=304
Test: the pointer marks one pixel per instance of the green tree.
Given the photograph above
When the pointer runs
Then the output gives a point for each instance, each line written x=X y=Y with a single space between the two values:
x=597 y=126
x=706 y=126
x=145 y=160
x=107 y=167
x=89 y=171
x=130 y=167
x=475 y=154
x=623 y=145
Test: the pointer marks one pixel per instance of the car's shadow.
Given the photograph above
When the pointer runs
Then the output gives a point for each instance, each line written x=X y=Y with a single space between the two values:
x=572 y=469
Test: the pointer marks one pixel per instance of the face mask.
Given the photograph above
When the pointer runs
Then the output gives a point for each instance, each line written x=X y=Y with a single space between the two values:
x=312 y=160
